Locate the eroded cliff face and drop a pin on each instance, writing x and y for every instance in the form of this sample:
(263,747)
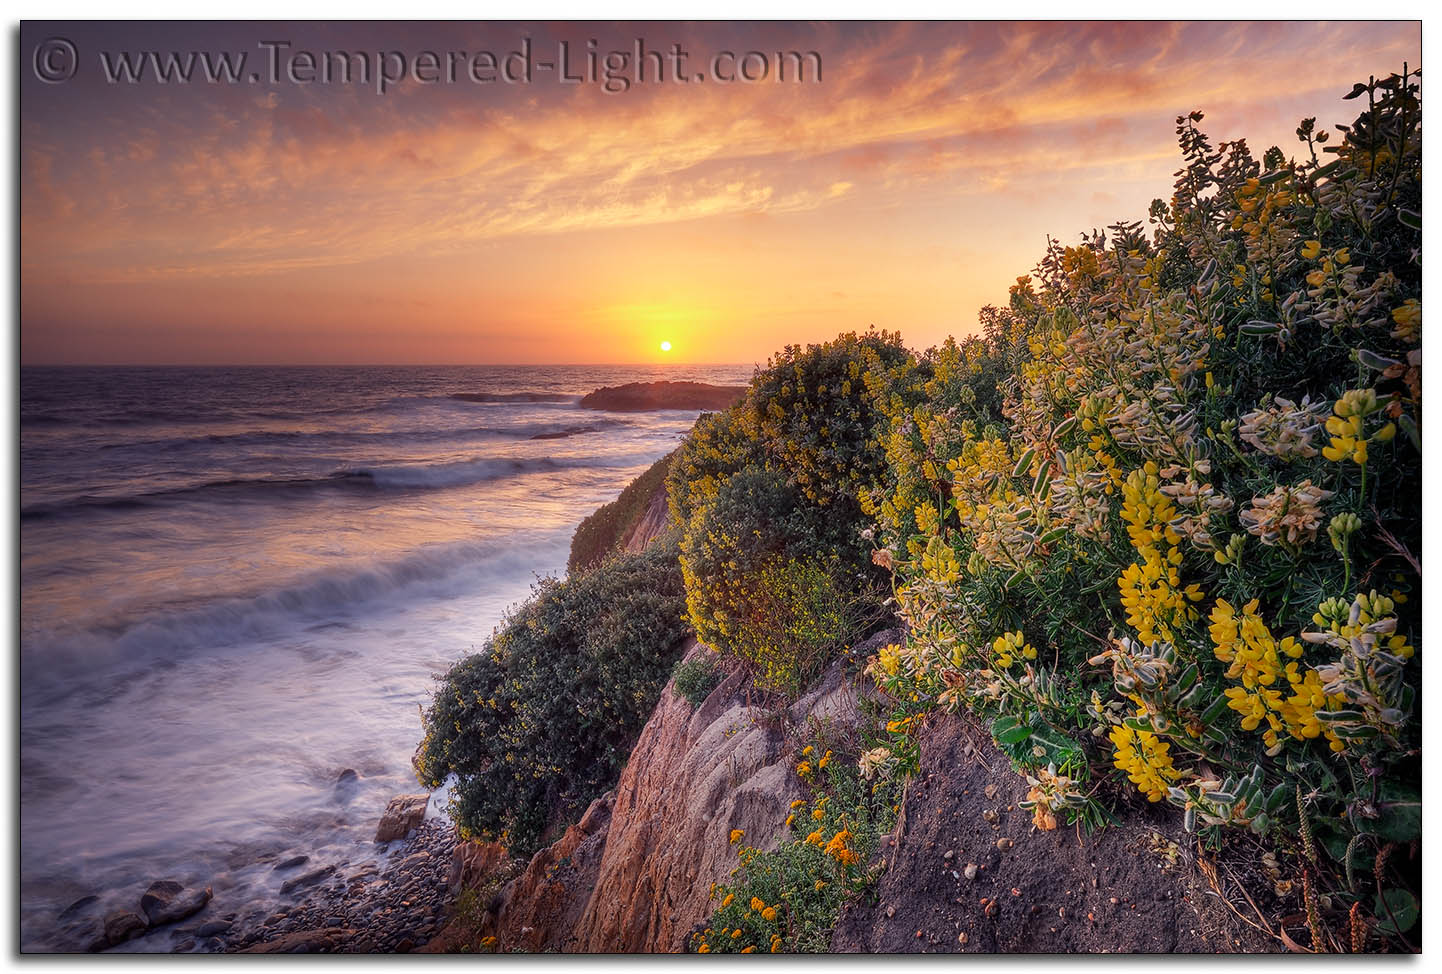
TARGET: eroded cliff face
(635,874)
(653,521)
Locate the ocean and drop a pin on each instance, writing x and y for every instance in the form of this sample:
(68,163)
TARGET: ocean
(237,583)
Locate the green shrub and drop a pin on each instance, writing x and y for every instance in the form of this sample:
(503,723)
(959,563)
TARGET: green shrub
(606,529)
(543,720)
(767,580)
(776,555)
(695,679)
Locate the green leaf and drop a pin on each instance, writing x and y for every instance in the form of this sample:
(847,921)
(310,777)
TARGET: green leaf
(1397,911)
(1408,218)
(1280,796)
(1261,328)
(1274,177)
(1023,463)
(1375,362)
(1065,428)
(1009,730)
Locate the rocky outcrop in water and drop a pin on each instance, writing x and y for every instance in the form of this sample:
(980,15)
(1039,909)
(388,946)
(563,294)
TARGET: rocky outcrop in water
(644,396)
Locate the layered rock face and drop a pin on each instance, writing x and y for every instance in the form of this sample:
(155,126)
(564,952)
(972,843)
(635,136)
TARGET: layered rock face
(635,874)
(966,870)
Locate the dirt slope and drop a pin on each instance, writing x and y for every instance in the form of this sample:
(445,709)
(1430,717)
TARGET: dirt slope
(1129,888)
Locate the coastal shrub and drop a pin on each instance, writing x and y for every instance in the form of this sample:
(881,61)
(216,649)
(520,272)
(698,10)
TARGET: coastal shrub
(775,555)
(695,679)
(543,719)
(1185,565)
(605,530)
(788,900)
(766,580)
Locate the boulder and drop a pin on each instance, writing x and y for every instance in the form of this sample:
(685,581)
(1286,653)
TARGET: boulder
(314,876)
(403,813)
(167,901)
(122,925)
(472,862)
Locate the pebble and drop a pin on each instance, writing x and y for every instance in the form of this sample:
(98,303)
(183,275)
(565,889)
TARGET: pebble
(397,909)
(970,871)
(1003,844)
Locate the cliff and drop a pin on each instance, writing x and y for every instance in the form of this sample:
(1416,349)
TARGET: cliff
(635,873)
(629,523)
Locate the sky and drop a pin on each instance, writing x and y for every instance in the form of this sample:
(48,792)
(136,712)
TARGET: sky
(282,219)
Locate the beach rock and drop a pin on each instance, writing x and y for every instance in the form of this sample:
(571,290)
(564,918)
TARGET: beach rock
(291,863)
(80,906)
(214,928)
(471,862)
(314,876)
(122,925)
(403,813)
(304,941)
(167,902)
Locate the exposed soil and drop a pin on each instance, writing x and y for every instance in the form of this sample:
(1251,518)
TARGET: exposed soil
(1132,887)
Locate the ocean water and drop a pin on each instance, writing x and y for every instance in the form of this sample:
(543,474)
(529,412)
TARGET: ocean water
(236,583)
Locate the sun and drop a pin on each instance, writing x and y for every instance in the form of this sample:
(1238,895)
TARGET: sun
(665,346)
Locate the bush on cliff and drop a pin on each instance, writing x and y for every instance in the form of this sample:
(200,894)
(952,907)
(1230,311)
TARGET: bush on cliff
(777,569)
(767,579)
(608,527)
(542,721)
(1188,562)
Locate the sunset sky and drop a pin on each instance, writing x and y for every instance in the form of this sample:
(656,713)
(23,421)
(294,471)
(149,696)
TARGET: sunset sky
(550,222)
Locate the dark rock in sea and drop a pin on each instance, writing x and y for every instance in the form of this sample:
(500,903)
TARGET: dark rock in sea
(403,813)
(291,863)
(167,902)
(214,928)
(314,876)
(642,396)
(184,947)
(122,925)
(563,434)
(82,905)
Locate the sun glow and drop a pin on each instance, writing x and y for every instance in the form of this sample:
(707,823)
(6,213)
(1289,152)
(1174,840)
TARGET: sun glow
(665,346)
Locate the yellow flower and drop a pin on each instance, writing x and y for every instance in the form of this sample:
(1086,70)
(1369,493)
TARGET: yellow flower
(820,886)
(751,948)
(819,814)
(1312,249)
(807,751)
(736,835)
(789,820)
(798,803)
(815,838)
(1145,759)
(757,903)
(730,898)
(825,760)
(804,769)
(769,914)
(705,948)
